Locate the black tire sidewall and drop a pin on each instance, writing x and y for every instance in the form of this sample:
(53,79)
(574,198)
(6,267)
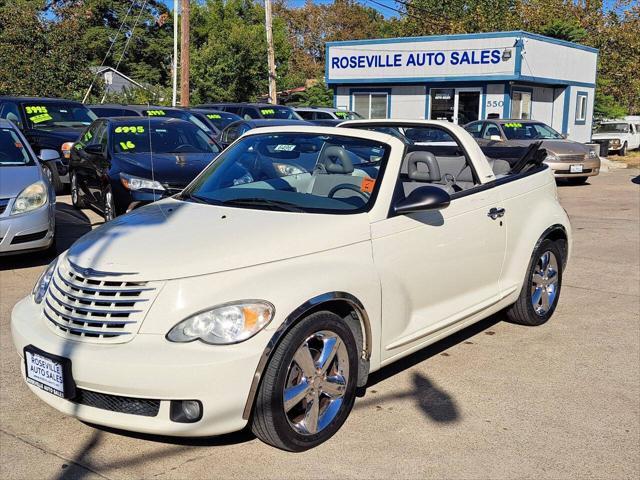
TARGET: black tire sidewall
(312,324)
(545,245)
(53,177)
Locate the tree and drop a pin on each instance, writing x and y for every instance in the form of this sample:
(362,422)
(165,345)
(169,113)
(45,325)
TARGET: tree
(565,30)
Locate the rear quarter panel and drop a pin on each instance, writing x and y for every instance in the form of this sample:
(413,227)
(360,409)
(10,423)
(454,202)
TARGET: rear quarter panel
(531,207)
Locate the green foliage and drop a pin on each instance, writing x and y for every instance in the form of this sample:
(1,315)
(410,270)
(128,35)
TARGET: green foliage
(153,95)
(565,30)
(317,95)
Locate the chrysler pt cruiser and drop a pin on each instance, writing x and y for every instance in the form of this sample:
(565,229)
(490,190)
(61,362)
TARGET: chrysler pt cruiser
(298,262)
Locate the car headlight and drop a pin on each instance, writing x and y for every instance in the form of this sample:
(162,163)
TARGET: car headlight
(551,157)
(615,141)
(42,285)
(591,155)
(32,197)
(285,169)
(137,183)
(66,149)
(224,324)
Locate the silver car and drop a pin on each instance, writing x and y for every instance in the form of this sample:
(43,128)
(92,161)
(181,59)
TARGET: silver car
(27,199)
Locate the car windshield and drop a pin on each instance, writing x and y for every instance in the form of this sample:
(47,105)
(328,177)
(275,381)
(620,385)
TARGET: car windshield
(300,172)
(164,137)
(345,115)
(613,128)
(529,131)
(13,153)
(181,114)
(51,115)
(281,113)
(221,119)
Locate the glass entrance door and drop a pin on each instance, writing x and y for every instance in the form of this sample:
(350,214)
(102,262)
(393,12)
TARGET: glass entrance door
(467,105)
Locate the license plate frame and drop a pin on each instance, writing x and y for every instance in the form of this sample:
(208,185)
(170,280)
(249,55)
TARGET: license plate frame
(47,360)
(576,168)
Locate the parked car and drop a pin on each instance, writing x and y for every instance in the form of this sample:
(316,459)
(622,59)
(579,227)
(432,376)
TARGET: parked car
(27,198)
(153,111)
(283,293)
(507,139)
(236,129)
(622,135)
(215,119)
(326,113)
(250,111)
(326,123)
(48,123)
(123,162)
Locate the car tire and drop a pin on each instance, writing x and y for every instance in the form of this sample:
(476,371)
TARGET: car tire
(52,174)
(577,180)
(623,151)
(310,415)
(76,200)
(541,290)
(109,211)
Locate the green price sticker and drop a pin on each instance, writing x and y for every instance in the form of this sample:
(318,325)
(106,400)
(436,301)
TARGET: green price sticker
(36,109)
(268,111)
(43,117)
(513,125)
(87,136)
(213,116)
(341,114)
(128,145)
(130,129)
(156,113)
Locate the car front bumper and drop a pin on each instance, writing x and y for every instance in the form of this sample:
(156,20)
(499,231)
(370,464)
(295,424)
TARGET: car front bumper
(146,367)
(28,231)
(562,169)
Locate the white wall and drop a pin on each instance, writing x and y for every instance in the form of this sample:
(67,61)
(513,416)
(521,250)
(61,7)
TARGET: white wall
(549,60)
(542,107)
(580,133)
(494,100)
(407,101)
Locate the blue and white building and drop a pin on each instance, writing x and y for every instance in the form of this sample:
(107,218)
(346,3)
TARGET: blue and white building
(467,77)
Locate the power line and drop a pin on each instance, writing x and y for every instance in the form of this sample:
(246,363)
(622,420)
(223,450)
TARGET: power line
(433,21)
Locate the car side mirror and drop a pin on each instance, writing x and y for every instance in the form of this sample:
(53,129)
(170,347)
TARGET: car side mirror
(421,199)
(47,154)
(94,149)
(495,138)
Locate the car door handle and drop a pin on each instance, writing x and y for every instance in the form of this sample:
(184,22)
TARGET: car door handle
(496,213)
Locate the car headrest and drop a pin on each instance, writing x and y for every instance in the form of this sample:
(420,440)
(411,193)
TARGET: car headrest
(335,159)
(429,160)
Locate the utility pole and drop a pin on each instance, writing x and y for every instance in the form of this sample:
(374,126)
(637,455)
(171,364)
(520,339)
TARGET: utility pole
(273,98)
(174,73)
(184,55)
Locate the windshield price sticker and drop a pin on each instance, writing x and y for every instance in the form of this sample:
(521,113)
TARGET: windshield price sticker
(130,129)
(284,148)
(128,145)
(267,111)
(213,116)
(87,136)
(513,125)
(155,113)
(367,184)
(342,114)
(36,109)
(39,112)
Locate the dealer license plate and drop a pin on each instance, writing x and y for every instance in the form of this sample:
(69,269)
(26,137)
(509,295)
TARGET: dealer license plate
(49,372)
(575,169)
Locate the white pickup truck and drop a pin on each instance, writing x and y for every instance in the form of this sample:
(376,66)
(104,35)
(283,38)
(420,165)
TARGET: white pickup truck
(623,135)
(299,261)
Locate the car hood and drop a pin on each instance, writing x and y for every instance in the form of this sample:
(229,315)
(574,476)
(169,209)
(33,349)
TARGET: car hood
(56,137)
(607,135)
(560,147)
(14,179)
(174,239)
(172,168)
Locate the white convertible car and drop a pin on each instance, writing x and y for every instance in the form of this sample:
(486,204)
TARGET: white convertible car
(298,262)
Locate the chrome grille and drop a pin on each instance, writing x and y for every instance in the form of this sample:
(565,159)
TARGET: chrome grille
(98,306)
(572,157)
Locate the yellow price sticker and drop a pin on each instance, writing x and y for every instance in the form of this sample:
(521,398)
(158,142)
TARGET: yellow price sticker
(214,115)
(36,109)
(87,136)
(341,114)
(155,113)
(128,145)
(513,125)
(43,117)
(130,129)
(268,111)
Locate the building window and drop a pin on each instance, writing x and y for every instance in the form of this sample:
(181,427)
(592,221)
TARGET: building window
(521,105)
(442,103)
(581,108)
(371,104)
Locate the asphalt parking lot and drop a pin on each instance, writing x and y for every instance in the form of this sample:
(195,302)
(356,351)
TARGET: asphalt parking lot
(494,401)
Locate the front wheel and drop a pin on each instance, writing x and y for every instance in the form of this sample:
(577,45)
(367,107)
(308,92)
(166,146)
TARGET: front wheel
(309,385)
(51,172)
(109,207)
(76,199)
(623,151)
(541,290)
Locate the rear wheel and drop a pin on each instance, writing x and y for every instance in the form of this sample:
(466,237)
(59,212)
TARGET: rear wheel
(541,290)
(76,198)
(577,180)
(309,386)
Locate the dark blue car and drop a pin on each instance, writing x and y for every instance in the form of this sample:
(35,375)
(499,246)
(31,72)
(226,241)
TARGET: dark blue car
(235,130)
(123,162)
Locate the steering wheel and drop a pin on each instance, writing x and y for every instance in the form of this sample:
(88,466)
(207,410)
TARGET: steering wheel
(347,186)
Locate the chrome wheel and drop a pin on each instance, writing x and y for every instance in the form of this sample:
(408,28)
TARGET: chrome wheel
(109,213)
(74,189)
(47,171)
(544,287)
(316,382)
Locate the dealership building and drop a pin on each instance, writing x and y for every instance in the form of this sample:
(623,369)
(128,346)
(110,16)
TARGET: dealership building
(462,78)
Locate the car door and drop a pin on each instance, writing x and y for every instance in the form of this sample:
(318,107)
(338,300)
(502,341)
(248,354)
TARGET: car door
(82,163)
(438,268)
(101,165)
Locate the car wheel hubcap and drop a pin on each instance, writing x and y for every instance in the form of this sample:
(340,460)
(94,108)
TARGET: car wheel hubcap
(316,383)
(74,189)
(49,175)
(108,207)
(544,287)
